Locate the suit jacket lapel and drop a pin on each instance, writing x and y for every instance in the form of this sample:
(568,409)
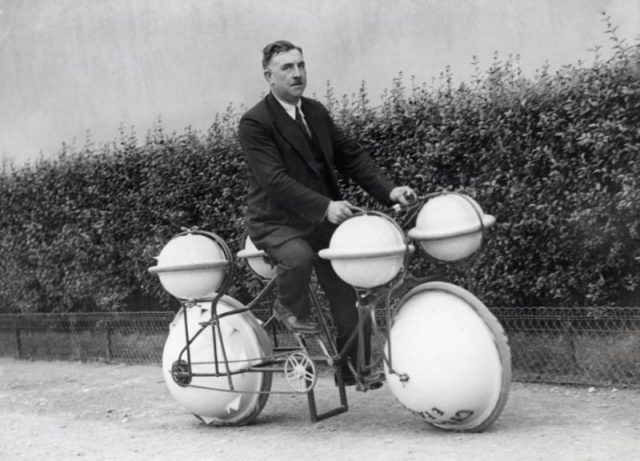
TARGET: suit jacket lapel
(322,134)
(319,129)
(288,128)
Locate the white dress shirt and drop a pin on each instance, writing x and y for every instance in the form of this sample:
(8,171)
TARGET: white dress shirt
(291,110)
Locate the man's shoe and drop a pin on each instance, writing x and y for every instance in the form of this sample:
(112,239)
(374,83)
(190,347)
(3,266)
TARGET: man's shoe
(293,322)
(374,381)
(369,381)
(347,379)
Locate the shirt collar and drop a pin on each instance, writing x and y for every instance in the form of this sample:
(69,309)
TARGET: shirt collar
(288,107)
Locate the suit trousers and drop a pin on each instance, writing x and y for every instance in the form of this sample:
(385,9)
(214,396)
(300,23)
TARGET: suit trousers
(296,260)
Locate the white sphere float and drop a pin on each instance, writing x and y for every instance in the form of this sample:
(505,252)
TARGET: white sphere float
(191,266)
(451,363)
(450,226)
(256,260)
(211,398)
(366,251)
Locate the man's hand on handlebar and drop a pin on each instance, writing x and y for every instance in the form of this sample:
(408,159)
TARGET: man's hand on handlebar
(339,211)
(403,195)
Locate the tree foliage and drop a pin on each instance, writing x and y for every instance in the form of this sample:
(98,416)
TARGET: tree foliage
(553,157)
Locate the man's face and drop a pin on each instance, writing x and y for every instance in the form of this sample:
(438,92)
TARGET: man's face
(287,76)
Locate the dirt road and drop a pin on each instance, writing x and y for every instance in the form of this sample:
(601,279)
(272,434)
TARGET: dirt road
(93,411)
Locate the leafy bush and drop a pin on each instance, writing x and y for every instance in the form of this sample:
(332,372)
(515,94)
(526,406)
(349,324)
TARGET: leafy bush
(554,158)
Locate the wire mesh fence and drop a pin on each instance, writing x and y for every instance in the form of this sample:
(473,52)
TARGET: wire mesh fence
(581,345)
(113,337)
(589,346)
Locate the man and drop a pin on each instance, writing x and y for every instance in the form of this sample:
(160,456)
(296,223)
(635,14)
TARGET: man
(293,149)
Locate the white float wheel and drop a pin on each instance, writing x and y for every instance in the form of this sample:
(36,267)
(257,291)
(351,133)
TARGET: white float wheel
(210,398)
(300,372)
(503,349)
(451,418)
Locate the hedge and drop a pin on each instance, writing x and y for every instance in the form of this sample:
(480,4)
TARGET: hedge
(554,157)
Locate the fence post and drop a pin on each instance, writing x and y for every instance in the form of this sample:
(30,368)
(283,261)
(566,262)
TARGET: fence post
(109,349)
(569,334)
(18,339)
(72,320)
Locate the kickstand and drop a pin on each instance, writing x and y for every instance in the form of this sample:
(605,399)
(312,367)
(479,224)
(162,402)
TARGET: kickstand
(311,398)
(342,408)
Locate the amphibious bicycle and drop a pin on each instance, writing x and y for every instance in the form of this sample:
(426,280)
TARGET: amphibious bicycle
(442,353)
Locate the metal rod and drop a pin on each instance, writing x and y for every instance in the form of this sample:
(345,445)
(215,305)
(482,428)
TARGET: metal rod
(188,267)
(324,326)
(267,288)
(186,333)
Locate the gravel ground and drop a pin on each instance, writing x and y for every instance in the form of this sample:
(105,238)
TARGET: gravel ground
(69,410)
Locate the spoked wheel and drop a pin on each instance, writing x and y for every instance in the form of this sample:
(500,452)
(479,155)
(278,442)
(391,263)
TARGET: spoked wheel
(449,357)
(300,372)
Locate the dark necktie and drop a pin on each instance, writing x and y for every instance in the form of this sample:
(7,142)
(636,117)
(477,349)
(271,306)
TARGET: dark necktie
(301,123)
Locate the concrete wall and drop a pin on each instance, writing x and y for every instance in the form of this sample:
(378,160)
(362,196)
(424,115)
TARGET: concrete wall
(68,66)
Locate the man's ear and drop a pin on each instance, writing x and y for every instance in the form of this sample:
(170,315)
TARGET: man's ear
(267,75)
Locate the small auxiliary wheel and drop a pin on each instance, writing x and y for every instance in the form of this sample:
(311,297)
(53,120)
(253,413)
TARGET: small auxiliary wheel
(300,372)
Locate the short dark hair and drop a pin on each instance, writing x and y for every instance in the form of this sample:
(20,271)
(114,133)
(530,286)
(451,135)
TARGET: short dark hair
(277,47)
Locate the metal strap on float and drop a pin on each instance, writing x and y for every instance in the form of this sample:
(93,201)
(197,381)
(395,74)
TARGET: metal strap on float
(188,267)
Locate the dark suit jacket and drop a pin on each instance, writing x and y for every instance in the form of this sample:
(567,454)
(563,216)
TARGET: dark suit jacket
(283,202)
